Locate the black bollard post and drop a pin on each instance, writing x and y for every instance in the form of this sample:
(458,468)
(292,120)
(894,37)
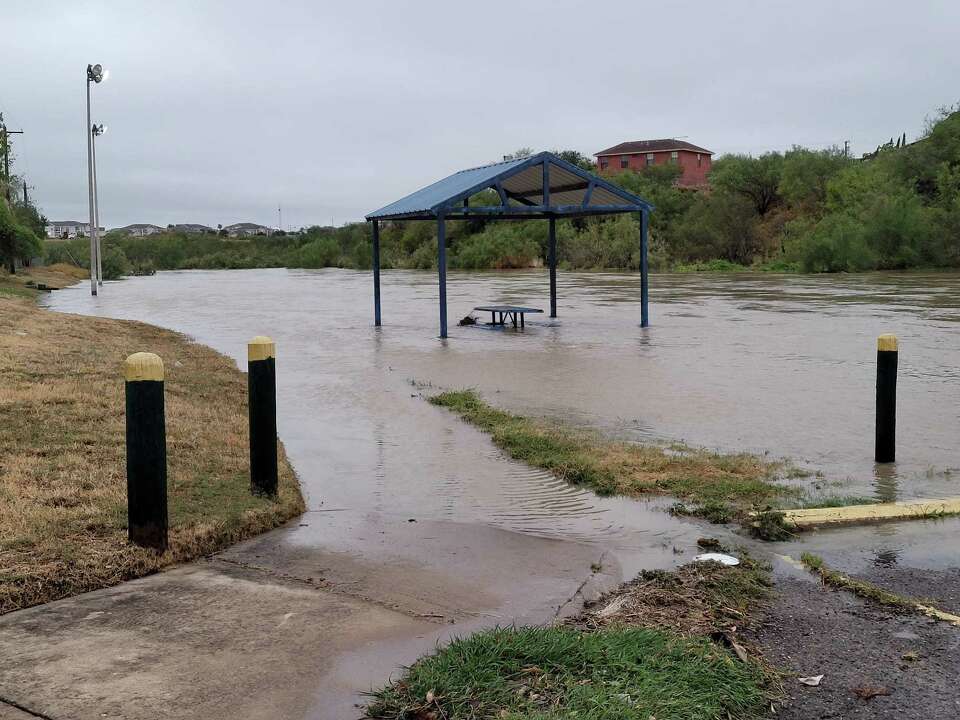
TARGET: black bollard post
(146,451)
(887,352)
(262,387)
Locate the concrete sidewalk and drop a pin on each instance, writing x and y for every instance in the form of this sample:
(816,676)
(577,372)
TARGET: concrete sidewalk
(279,628)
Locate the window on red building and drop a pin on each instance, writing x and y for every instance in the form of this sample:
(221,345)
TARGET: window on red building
(604,163)
(650,159)
(674,156)
(624,162)
(699,159)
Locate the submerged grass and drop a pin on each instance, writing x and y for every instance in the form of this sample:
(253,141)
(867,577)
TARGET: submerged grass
(863,589)
(719,486)
(62,455)
(642,651)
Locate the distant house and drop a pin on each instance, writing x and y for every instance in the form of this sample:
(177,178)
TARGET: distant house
(694,161)
(191,228)
(65,229)
(247,229)
(139,229)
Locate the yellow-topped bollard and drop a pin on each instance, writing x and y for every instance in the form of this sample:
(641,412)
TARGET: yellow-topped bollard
(262,409)
(887,343)
(146,451)
(885,449)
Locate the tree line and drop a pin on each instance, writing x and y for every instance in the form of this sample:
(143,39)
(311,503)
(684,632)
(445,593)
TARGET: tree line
(802,210)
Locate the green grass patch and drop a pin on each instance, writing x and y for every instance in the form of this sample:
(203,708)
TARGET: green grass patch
(717,265)
(552,673)
(719,486)
(825,501)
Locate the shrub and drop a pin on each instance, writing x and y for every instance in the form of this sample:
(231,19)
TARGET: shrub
(114,262)
(321,253)
(603,243)
(835,244)
(501,245)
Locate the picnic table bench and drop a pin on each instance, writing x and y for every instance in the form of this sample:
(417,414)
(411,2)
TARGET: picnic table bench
(512,311)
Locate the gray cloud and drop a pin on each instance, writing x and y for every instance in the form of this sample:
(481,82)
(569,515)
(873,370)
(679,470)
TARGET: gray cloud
(218,111)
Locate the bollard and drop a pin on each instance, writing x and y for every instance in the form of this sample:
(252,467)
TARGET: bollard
(146,451)
(887,351)
(262,388)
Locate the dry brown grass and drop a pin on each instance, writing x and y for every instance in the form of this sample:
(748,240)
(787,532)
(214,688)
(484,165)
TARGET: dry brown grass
(62,455)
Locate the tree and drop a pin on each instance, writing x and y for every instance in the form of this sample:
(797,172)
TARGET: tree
(721,225)
(519,154)
(756,179)
(575,157)
(805,174)
(17,241)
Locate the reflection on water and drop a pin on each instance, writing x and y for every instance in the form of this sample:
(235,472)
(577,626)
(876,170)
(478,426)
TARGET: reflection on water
(764,363)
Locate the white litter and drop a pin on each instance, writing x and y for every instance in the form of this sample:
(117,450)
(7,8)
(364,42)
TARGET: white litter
(812,681)
(717,557)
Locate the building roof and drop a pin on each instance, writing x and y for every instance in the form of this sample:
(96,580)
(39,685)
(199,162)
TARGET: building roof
(67,223)
(191,226)
(246,226)
(568,190)
(645,146)
(139,226)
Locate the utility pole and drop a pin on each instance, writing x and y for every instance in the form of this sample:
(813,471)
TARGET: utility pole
(846,148)
(279,218)
(25,200)
(6,155)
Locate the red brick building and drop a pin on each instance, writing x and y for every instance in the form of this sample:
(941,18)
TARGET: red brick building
(694,161)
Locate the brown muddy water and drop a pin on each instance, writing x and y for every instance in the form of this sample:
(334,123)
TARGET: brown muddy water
(774,364)
(777,364)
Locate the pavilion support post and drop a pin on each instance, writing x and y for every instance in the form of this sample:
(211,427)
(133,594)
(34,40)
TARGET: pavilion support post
(552,259)
(442,272)
(644,274)
(376,273)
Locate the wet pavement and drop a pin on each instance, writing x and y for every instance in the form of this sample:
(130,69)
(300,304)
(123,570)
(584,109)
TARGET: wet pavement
(416,515)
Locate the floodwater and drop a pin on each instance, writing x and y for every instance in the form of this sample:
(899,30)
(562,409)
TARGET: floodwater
(774,364)
(766,363)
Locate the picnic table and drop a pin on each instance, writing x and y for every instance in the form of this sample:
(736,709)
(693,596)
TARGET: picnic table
(504,311)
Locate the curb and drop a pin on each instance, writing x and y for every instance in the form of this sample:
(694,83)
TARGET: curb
(913,509)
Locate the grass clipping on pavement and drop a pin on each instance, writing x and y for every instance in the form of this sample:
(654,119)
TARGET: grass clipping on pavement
(722,487)
(643,651)
(63,462)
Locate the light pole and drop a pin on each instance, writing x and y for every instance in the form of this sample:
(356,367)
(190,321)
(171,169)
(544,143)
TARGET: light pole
(95,132)
(95,73)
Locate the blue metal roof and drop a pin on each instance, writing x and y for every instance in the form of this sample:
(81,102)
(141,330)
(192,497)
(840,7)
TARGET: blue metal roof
(572,190)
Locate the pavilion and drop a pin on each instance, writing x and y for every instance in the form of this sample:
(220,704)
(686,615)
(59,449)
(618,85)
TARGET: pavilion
(540,186)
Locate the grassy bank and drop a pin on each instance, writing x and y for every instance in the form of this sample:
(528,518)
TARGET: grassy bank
(718,486)
(62,456)
(623,658)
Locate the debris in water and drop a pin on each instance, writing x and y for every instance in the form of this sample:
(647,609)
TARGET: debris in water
(812,681)
(711,544)
(717,557)
(468,320)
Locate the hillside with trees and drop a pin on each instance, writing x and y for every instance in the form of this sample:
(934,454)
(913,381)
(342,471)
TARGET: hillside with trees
(801,210)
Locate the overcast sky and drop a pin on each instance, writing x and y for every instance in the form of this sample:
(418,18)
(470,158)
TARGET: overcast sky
(219,111)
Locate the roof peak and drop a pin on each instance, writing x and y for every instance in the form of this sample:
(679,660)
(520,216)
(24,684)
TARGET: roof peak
(656,145)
